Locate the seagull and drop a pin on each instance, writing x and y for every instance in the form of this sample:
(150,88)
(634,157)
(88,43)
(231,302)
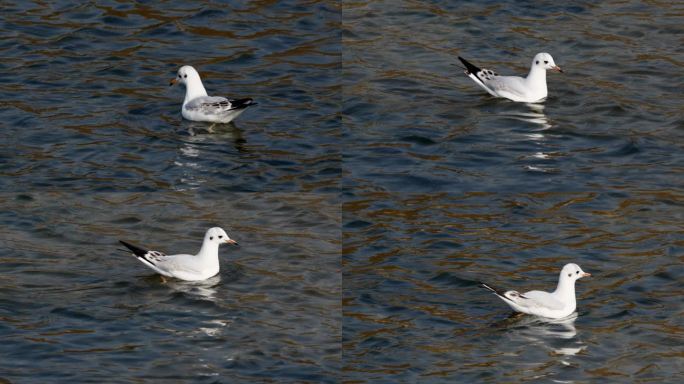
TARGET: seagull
(198,106)
(530,89)
(555,305)
(201,266)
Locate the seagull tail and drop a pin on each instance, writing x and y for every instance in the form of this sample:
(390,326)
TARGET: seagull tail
(498,292)
(241,103)
(136,250)
(469,66)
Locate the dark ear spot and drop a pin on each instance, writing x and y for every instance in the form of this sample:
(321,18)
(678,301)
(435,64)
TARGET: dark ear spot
(537,62)
(185,75)
(569,274)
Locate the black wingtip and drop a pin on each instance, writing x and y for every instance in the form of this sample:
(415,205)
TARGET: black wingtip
(496,291)
(136,250)
(469,66)
(242,103)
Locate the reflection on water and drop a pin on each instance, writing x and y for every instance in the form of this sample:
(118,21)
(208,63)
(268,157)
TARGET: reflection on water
(87,106)
(203,290)
(538,123)
(417,124)
(414,312)
(69,297)
(558,336)
(202,143)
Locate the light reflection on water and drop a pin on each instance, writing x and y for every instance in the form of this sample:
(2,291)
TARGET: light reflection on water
(414,312)
(70,297)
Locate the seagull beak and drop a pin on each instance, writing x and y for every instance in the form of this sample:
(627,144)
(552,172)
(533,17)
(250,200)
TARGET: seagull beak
(557,69)
(585,274)
(231,242)
(173,81)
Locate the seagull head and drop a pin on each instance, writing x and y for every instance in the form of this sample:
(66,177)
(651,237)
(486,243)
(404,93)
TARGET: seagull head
(573,272)
(218,236)
(545,61)
(185,74)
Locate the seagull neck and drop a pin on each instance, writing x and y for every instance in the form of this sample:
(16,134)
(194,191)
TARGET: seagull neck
(193,90)
(208,250)
(566,288)
(537,75)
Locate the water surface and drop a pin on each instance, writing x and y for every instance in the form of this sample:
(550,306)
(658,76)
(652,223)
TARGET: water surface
(76,308)
(446,185)
(86,104)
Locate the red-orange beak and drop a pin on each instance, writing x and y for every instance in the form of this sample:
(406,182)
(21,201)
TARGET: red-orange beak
(231,242)
(585,274)
(557,69)
(173,81)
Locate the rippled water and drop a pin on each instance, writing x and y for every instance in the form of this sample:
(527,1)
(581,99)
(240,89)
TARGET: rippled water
(369,146)
(74,308)
(413,311)
(94,149)
(445,186)
(418,124)
(86,103)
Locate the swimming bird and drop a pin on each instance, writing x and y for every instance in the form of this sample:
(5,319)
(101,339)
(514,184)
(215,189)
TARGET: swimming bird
(201,266)
(529,89)
(554,305)
(198,106)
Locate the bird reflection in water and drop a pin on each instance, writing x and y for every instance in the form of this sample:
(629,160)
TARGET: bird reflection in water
(558,336)
(538,160)
(202,133)
(202,290)
(193,146)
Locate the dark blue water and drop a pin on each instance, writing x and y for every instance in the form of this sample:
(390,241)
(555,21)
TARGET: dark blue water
(416,123)
(75,308)
(446,186)
(86,103)
(93,149)
(370,189)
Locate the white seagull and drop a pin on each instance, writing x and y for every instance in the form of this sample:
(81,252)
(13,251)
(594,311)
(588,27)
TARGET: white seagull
(555,305)
(201,266)
(528,90)
(198,106)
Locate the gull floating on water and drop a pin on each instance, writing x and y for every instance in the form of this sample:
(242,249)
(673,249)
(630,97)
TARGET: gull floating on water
(554,305)
(198,106)
(201,266)
(529,89)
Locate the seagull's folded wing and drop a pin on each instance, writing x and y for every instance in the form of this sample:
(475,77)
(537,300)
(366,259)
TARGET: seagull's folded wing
(507,86)
(210,105)
(539,299)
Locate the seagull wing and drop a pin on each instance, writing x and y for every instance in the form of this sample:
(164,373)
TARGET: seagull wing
(510,87)
(156,260)
(479,75)
(539,299)
(209,105)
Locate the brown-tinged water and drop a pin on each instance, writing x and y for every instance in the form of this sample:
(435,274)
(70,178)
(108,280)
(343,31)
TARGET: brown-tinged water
(94,149)
(446,186)
(370,189)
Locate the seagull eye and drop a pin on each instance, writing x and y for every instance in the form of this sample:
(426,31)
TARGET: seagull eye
(537,62)
(185,76)
(211,238)
(220,236)
(546,61)
(577,272)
